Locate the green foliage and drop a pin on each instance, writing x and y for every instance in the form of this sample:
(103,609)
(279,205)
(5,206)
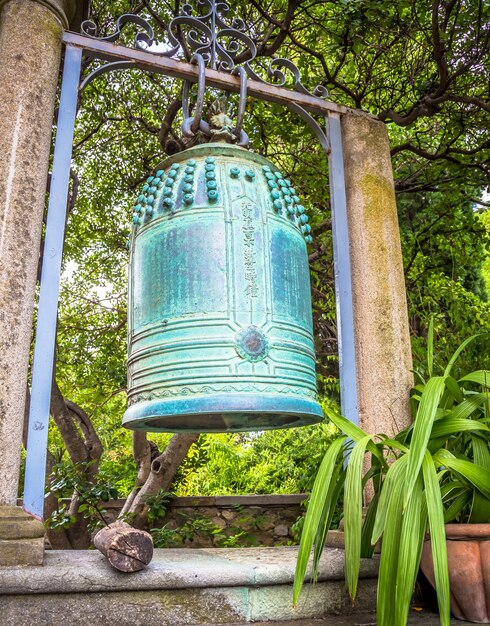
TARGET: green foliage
(279,461)
(164,537)
(157,505)
(60,518)
(445,246)
(69,478)
(485,221)
(434,472)
(197,526)
(238,539)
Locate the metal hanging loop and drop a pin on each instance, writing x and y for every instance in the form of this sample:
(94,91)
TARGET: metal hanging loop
(240,134)
(192,124)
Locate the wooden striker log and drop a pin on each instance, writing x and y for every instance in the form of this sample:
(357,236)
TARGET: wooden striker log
(126,548)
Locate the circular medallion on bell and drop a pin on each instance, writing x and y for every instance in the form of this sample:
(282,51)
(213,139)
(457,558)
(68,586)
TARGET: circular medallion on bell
(251,343)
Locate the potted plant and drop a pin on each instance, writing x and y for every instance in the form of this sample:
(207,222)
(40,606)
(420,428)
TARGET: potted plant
(435,472)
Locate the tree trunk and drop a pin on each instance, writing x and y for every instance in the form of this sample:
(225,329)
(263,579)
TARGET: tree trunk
(144,452)
(162,472)
(79,436)
(83,446)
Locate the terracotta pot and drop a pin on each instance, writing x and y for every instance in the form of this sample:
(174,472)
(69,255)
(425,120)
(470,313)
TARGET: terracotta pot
(468,553)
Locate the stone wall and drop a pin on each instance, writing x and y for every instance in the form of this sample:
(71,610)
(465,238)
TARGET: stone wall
(225,521)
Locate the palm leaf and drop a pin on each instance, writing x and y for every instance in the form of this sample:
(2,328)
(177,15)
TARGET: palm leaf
(481,453)
(456,506)
(480,508)
(480,377)
(454,425)
(422,430)
(477,475)
(469,405)
(438,537)
(352,431)
(390,549)
(458,352)
(334,489)
(451,489)
(394,443)
(353,514)
(454,389)
(435,443)
(367,550)
(411,540)
(372,472)
(430,347)
(392,478)
(314,513)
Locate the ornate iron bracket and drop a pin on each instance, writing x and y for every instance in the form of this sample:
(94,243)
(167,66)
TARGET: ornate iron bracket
(204,37)
(222,46)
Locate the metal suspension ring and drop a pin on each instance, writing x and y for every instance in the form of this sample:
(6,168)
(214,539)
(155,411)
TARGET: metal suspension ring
(191,125)
(239,133)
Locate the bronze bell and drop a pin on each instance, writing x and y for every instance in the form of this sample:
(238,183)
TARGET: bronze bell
(220,322)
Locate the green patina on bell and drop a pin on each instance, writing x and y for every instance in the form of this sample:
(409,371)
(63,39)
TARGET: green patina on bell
(220,323)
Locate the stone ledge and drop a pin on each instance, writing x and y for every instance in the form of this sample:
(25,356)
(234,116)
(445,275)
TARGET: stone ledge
(189,607)
(88,572)
(245,500)
(180,588)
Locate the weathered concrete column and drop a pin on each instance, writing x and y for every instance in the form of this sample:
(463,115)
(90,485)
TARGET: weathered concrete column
(383,354)
(30,47)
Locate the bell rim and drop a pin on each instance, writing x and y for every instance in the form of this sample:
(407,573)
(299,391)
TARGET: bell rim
(230,409)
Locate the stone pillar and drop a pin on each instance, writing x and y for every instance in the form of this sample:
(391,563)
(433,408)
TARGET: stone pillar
(383,354)
(30,48)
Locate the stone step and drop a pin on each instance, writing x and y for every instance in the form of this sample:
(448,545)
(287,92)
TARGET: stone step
(180,587)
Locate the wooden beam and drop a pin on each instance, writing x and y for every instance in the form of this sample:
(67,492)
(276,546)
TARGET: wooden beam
(187,71)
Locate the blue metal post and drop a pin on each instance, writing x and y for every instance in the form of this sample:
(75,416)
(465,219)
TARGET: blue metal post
(42,369)
(342,270)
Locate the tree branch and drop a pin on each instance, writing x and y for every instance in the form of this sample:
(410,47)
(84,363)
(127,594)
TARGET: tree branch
(161,476)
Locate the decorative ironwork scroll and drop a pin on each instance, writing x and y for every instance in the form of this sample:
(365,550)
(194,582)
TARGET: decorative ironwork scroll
(207,38)
(224,46)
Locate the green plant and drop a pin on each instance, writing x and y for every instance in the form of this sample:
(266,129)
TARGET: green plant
(157,505)
(72,478)
(238,538)
(274,461)
(434,472)
(235,536)
(197,524)
(193,525)
(166,537)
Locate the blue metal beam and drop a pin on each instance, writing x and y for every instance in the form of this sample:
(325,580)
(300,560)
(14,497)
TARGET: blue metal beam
(42,369)
(342,270)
